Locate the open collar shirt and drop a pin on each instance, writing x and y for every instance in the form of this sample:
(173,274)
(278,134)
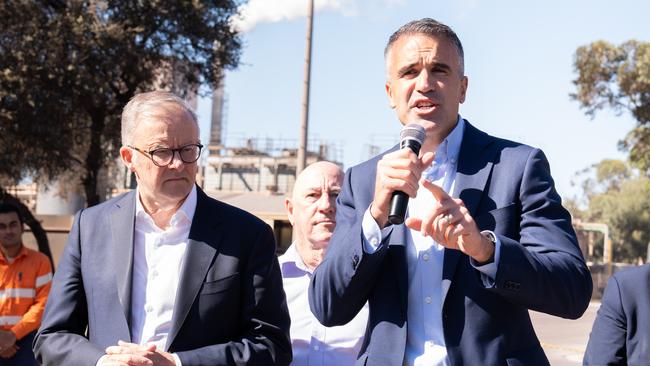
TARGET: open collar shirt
(314,344)
(157,261)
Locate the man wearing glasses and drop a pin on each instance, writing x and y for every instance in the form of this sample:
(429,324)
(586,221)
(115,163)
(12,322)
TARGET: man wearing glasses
(165,275)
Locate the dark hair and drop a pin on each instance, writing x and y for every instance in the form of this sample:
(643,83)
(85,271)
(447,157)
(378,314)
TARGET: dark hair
(6,208)
(432,28)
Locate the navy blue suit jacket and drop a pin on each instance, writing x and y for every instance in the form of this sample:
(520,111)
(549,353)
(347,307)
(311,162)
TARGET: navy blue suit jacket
(621,332)
(507,187)
(230,307)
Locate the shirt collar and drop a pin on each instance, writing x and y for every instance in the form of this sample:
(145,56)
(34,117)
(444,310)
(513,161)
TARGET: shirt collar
(449,149)
(21,253)
(446,153)
(292,256)
(184,213)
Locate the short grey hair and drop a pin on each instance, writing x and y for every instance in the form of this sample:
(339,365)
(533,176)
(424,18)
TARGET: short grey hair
(432,28)
(144,102)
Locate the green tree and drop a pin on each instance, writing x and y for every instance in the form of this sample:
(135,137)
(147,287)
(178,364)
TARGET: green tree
(618,78)
(67,68)
(617,195)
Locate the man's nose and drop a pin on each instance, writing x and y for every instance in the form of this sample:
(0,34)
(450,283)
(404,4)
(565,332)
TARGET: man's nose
(424,82)
(176,162)
(326,203)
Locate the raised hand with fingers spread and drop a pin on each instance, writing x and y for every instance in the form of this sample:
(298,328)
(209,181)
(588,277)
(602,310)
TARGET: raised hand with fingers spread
(450,224)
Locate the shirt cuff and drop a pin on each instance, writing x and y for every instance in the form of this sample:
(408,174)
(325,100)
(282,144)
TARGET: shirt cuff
(489,270)
(99,362)
(23,328)
(371,233)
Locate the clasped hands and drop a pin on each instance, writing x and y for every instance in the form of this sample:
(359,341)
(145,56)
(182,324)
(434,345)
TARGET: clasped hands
(8,347)
(448,222)
(130,354)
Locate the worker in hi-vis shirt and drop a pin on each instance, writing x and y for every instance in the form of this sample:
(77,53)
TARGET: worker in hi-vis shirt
(25,280)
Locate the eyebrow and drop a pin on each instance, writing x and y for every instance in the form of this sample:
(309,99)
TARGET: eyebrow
(436,65)
(161,145)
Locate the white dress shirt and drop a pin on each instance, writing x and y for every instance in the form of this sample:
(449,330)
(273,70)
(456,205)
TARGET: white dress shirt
(157,260)
(314,344)
(425,342)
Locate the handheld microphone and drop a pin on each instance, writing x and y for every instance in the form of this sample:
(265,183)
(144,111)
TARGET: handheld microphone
(412,136)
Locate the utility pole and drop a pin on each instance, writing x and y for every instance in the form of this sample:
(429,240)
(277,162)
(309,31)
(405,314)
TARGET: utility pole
(302,150)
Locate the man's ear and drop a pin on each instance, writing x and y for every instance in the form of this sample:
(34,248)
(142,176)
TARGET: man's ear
(389,93)
(128,158)
(463,88)
(288,206)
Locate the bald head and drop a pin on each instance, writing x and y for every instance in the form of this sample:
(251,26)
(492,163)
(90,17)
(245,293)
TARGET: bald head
(312,206)
(315,172)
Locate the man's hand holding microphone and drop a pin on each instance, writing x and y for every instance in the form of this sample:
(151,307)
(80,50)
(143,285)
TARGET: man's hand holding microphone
(448,222)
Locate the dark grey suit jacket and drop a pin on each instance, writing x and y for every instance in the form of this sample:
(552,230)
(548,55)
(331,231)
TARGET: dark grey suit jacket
(508,189)
(230,307)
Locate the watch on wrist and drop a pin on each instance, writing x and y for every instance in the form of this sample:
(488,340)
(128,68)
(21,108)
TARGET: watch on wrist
(492,238)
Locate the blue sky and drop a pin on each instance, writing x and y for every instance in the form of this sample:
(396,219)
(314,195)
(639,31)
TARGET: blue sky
(518,57)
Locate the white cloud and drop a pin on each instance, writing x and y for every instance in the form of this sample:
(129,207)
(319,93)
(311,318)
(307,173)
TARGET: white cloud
(255,12)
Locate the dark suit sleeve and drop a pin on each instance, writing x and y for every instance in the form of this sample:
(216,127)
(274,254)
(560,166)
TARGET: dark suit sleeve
(61,338)
(544,270)
(608,336)
(264,315)
(341,284)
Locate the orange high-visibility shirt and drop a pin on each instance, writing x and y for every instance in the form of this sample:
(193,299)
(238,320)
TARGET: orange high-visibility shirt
(24,286)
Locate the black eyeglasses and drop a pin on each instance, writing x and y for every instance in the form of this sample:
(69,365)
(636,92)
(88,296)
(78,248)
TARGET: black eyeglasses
(164,156)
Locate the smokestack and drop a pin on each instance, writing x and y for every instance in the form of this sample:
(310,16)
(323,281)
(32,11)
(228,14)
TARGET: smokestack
(216,126)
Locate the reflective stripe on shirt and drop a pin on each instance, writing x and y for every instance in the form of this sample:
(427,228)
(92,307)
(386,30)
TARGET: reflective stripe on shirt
(43,280)
(10,320)
(18,292)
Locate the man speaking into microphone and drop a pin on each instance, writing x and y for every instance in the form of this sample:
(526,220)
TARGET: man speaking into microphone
(485,237)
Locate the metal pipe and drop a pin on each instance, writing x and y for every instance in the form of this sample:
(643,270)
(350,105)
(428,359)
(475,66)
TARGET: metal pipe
(302,149)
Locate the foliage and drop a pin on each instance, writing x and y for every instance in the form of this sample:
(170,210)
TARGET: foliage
(618,196)
(618,77)
(67,68)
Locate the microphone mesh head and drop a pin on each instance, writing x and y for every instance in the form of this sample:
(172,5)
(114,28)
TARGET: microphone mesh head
(413,131)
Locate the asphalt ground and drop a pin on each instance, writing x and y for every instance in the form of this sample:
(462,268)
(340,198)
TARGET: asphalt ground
(564,341)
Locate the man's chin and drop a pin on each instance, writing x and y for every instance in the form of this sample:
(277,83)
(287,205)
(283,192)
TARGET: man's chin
(321,237)
(10,245)
(174,195)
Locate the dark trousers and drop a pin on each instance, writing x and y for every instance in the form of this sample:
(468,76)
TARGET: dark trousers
(24,356)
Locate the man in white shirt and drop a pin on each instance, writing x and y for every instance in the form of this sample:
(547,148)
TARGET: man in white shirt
(312,212)
(485,239)
(165,275)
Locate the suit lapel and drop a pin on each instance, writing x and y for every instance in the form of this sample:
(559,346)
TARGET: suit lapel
(201,249)
(120,259)
(474,168)
(398,242)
